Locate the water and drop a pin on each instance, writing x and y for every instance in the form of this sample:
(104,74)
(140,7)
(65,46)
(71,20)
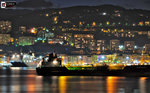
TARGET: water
(25,80)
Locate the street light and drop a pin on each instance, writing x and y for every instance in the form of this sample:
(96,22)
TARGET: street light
(135,47)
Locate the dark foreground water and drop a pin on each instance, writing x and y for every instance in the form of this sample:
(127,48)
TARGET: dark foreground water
(25,80)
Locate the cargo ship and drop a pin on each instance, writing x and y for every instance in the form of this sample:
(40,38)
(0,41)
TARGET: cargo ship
(55,67)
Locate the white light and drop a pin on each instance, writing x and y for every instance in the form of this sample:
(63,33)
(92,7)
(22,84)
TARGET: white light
(135,61)
(80,57)
(13,56)
(25,56)
(121,46)
(128,64)
(54,62)
(127,58)
(104,13)
(18,55)
(40,57)
(102,57)
(135,47)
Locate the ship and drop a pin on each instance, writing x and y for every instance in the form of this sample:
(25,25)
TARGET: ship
(54,67)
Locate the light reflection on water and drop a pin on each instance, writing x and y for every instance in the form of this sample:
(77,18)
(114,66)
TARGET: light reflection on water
(29,82)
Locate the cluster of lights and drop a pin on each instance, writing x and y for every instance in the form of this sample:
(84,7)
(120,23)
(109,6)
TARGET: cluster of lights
(33,31)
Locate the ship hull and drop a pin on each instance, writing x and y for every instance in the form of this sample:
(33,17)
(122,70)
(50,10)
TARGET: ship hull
(96,71)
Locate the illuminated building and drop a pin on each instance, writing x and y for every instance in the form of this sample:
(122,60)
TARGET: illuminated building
(68,38)
(26,40)
(100,45)
(84,41)
(5,39)
(23,29)
(142,32)
(114,44)
(5,27)
(129,45)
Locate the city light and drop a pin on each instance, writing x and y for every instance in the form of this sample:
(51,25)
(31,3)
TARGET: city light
(104,13)
(127,58)
(102,57)
(55,62)
(55,19)
(121,47)
(33,31)
(135,47)
(94,24)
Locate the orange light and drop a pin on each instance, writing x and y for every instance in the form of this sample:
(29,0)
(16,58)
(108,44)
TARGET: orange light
(62,84)
(80,23)
(143,78)
(112,84)
(55,19)
(33,31)
(11,39)
(94,24)
(140,23)
(50,42)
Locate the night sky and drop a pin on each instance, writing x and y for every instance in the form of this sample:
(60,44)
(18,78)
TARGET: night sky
(138,4)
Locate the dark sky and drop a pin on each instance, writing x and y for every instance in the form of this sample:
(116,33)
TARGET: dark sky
(138,4)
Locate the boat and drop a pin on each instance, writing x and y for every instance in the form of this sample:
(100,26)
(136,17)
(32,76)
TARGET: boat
(55,67)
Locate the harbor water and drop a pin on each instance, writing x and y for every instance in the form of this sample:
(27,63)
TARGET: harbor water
(25,80)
